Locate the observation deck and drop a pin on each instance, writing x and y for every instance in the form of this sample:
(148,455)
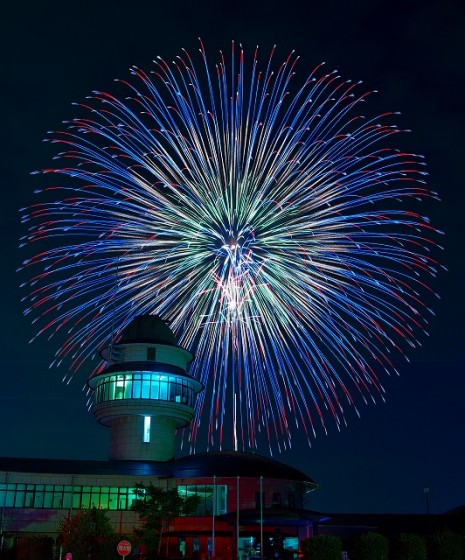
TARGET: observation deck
(145,394)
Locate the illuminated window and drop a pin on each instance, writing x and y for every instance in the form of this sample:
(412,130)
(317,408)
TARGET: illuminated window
(147,422)
(65,497)
(207,494)
(163,388)
(119,393)
(291,543)
(146,386)
(39,496)
(182,546)
(141,385)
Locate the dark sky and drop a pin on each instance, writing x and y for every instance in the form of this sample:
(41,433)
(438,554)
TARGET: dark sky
(413,52)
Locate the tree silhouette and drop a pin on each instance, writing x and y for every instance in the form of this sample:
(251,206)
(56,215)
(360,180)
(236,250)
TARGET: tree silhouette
(88,534)
(157,508)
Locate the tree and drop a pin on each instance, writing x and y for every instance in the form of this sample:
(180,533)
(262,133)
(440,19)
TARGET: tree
(407,546)
(37,547)
(157,508)
(322,547)
(88,534)
(370,546)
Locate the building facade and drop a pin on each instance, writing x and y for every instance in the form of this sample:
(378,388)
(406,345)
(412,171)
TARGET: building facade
(249,505)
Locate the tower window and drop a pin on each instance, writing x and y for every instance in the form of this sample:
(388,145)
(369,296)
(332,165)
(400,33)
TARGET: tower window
(147,422)
(151,354)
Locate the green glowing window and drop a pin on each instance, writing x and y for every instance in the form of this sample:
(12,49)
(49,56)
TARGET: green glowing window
(66,497)
(10,498)
(19,498)
(48,497)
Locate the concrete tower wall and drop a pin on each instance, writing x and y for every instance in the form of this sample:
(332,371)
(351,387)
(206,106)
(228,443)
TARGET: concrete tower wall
(126,439)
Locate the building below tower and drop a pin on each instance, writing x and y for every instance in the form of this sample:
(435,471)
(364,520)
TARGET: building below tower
(247,502)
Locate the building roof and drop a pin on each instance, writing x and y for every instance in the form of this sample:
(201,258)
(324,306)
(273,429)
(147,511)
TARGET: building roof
(390,523)
(220,464)
(147,328)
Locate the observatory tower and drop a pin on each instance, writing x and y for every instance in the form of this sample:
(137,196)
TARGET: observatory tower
(145,393)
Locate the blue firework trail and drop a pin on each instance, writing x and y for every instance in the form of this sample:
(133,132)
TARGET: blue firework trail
(267,221)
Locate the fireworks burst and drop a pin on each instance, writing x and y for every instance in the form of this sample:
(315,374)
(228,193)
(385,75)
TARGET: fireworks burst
(264,219)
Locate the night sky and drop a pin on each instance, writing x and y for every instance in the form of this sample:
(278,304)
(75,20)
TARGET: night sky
(413,53)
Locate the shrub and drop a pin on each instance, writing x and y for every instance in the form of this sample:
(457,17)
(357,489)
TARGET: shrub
(370,546)
(322,547)
(445,545)
(408,546)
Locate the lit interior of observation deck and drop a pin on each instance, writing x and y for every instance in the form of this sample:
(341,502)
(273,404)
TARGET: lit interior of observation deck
(159,386)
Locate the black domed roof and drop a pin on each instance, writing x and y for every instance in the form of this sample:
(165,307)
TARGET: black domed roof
(148,328)
(236,463)
(200,465)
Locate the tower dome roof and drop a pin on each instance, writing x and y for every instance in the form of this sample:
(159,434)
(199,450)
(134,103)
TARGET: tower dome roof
(147,328)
